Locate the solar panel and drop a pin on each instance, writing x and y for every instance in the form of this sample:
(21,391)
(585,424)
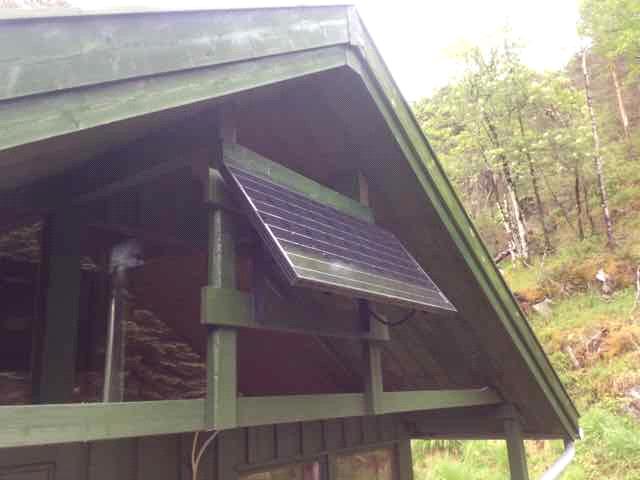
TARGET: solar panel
(320,246)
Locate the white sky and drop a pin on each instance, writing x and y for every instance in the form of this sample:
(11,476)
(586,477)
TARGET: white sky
(415,36)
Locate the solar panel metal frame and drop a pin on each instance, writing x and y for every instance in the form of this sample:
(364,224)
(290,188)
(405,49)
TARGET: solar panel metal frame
(295,226)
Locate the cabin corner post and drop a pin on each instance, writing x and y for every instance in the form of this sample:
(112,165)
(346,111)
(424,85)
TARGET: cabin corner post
(221,410)
(515,445)
(54,368)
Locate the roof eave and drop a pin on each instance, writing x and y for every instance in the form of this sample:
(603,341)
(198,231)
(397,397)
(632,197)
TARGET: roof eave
(440,191)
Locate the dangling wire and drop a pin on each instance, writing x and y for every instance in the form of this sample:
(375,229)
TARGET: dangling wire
(392,324)
(195,459)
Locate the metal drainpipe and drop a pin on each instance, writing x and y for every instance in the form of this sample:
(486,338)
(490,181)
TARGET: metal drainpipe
(562,463)
(123,257)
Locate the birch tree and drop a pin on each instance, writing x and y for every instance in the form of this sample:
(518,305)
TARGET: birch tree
(597,153)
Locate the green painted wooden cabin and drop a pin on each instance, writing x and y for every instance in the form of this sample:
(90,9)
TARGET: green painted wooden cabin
(139,303)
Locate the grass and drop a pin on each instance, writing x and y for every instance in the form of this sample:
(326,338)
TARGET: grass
(602,336)
(610,450)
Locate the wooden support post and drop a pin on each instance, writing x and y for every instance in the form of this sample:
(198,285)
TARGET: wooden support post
(355,185)
(373,386)
(404,460)
(373,381)
(222,391)
(55,368)
(515,447)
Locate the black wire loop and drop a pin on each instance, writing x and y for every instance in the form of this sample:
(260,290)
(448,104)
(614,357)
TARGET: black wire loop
(392,324)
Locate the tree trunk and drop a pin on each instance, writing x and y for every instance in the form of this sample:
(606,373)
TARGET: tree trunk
(536,191)
(587,208)
(517,223)
(624,119)
(520,229)
(578,193)
(556,200)
(506,223)
(597,154)
(621,108)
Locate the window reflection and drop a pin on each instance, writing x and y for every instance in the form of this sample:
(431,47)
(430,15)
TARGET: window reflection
(374,465)
(20,254)
(301,471)
(142,256)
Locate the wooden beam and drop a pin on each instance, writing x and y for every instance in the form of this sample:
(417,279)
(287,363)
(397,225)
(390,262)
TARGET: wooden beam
(120,168)
(49,424)
(253,162)
(222,382)
(232,308)
(436,399)
(296,408)
(55,57)
(373,381)
(515,447)
(145,176)
(57,364)
(36,118)
(373,388)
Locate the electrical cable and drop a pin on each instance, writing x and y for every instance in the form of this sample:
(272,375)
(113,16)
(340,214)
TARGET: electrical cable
(195,459)
(392,324)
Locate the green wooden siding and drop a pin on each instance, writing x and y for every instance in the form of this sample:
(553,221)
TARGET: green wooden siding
(233,452)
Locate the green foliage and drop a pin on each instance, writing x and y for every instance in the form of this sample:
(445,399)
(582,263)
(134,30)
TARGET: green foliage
(482,460)
(610,449)
(613,26)
(502,119)
(502,124)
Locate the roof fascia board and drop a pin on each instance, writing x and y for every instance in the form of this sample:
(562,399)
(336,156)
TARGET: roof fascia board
(13,14)
(32,119)
(40,55)
(429,172)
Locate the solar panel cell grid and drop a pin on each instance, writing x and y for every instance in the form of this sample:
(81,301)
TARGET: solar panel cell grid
(322,247)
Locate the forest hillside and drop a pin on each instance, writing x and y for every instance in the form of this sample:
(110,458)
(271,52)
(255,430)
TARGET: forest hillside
(548,167)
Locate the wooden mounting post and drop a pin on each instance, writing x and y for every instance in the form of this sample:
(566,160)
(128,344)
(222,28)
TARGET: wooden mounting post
(373,386)
(515,447)
(354,184)
(221,411)
(54,370)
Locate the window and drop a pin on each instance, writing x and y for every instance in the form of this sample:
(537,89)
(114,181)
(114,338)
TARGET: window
(301,471)
(125,283)
(375,465)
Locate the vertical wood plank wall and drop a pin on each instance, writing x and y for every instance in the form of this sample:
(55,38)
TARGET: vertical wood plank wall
(234,452)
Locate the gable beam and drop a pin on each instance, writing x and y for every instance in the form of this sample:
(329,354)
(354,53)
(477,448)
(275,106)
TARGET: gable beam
(33,119)
(51,55)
